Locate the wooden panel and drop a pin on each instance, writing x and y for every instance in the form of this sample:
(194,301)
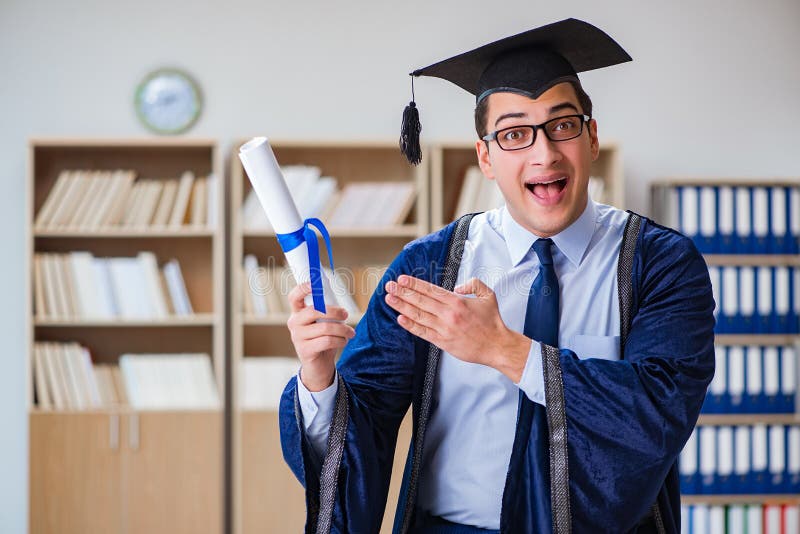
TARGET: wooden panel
(174,476)
(400,454)
(271,497)
(74,474)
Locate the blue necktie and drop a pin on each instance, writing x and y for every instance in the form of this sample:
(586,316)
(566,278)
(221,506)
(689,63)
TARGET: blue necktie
(541,317)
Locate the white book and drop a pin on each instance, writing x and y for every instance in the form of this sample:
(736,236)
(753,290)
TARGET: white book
(470,187)
(715,276)
(741,461)
(760,211)
(793,458)
(72,195)
(74,388)
(700,521)
(716,520)
(743,218)
(708,212)
(794,211)
(726,210)
(133,203)
(782,290)
(129,288)
(759,449)
(689,209)
(165,203)
(788,370)
(778,212)
(754,379)
(796,295)
(708,451)
(771,372)
(40,300)
(180,207)
(736,519)
(725,448)
(791,518)
(772,519)
(257,285)
(177,288)
(684,519)
(319,195)
(777,450)
(85,202)
(40,376)
(764,291)
(719,385)
(343,297)
(54,379)
(105,291)
(83,280)
(58,286)
(111,183)
(754,519)
(198,209)
(153,292)
(730,292)
(103,185)
(83,379)
(688,458)
(747,291)
(736,372)
(119,200)
(54,197)
(263,379)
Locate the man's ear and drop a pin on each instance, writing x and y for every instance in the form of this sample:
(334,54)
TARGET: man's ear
(484,162)
(593,139)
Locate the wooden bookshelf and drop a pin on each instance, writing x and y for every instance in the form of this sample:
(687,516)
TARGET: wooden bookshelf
(116,469)
(449,162)
(259,468)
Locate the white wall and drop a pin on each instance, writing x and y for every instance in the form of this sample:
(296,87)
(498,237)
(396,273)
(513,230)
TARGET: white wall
(714,89)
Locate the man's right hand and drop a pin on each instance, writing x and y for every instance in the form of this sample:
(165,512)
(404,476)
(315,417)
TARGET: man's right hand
(316,343)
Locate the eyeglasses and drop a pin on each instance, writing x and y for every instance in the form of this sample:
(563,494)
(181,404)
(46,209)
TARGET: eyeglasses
(558,129)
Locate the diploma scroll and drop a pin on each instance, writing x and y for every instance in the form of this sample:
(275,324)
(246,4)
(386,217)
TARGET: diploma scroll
(298,241)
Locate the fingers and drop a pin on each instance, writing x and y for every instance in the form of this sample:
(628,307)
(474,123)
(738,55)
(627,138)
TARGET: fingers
(426,288)
(324,329)
(474,286)
(413,307)
(297,296)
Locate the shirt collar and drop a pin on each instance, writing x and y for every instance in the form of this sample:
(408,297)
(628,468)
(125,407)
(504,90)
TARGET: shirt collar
(572,241)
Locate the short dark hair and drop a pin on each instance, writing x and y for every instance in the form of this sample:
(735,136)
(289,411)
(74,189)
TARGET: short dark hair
(483,108)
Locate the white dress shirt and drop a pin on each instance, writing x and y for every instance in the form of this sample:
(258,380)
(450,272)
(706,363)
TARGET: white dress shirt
(471,433)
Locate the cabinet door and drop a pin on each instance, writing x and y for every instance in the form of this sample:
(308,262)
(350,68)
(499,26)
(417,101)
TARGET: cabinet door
(74,473)
(172,473)
(272,498)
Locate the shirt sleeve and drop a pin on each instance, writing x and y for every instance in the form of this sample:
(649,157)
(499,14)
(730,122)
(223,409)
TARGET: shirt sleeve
(532,381)
(317,409)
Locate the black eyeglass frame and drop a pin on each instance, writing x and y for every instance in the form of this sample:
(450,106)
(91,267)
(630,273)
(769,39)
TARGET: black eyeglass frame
(536,127)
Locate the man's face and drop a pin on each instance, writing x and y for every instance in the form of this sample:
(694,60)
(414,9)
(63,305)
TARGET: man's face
(564,166)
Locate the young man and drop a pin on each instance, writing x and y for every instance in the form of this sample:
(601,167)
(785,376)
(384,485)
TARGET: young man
(556,384)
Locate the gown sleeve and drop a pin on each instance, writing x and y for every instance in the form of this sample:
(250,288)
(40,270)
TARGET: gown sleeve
(626,421)
(376,369)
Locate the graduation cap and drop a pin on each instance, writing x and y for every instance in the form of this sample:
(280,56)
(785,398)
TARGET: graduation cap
(528,63)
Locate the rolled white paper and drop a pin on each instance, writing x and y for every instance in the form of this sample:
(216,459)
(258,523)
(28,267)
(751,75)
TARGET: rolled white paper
(265,174)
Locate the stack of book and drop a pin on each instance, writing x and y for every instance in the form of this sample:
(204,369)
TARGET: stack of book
(65,379)
(756,300)
(266,289)
(741,459)
(169,381)
(733,219)
(262,380)
(740,519)
(77,285)
(358,204)
(753,379)
(82,200)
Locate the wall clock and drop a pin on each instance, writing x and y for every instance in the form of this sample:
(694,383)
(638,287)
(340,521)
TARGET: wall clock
(168,101)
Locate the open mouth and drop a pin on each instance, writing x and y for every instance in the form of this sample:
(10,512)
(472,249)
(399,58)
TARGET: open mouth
(547,189)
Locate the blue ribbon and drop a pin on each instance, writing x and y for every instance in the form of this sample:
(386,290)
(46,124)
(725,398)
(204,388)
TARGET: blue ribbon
(306,235)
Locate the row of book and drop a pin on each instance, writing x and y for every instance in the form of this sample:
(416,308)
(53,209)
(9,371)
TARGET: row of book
(753,379)
(357,205)
(756,300)
(262,380)
(77,285)
(479,194)
(66,379)
(741,459)
(740,519)
(733,219)
(265,288)
(87,200)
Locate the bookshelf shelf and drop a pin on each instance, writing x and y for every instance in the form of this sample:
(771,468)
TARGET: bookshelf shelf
(721,500)
(258,467)
(125,463)
(749,419)
(752,260)
(755,339)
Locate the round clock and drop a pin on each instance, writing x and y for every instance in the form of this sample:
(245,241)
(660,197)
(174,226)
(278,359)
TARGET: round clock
(168,101)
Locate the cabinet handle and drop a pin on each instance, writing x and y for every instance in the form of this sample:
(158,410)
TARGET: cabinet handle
(133,434)
(113,432)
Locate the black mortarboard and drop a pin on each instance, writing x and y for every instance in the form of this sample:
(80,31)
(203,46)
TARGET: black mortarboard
(528,63)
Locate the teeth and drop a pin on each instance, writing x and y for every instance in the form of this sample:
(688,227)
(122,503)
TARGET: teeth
(545,183)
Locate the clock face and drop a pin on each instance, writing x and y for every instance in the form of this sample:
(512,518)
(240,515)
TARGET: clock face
(168,101)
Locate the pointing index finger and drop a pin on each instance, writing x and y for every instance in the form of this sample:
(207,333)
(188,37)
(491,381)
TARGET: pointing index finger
(426,288)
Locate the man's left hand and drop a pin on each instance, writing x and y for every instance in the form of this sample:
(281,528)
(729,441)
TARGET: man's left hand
(469,328)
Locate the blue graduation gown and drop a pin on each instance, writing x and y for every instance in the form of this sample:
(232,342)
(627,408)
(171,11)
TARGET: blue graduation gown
(623,423)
